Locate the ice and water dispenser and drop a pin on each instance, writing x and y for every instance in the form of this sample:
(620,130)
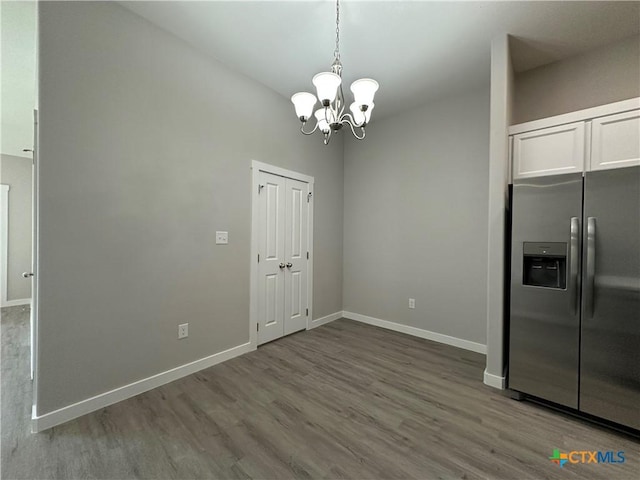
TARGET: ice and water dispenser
(545,264)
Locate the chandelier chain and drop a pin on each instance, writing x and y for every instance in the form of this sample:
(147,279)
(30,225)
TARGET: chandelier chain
(336,52)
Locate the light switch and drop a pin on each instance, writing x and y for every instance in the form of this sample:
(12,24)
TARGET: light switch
(222,238)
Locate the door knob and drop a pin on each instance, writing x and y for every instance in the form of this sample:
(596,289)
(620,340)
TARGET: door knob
(289,264)
(27,274)
(281,265)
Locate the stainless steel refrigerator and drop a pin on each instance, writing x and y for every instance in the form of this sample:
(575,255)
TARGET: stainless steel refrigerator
(574,333)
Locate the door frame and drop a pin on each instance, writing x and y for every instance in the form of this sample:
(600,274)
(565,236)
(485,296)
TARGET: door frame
(35,253)
(4,241)
(256,168)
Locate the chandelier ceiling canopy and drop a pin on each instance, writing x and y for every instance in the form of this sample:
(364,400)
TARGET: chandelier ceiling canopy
(330,117)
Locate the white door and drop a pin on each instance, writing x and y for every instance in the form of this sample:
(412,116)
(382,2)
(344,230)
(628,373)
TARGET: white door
(271,258)
(282,256)
(295,248)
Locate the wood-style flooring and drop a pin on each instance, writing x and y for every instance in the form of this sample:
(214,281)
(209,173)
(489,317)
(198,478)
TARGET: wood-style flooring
(345,400)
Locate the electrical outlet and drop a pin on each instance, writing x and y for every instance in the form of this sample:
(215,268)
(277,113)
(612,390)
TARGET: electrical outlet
(412,303)
(183,330)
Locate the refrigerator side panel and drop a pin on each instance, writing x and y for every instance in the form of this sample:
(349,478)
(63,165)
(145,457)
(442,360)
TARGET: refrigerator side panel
(544,313)
(610,342)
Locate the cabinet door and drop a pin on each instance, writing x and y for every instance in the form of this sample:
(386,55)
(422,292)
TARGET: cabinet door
(549,151)
(615,141)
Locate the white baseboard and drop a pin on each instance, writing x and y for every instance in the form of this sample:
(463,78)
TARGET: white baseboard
(92,404)
(15,303)
(322,320)
(418,332)
(495,381)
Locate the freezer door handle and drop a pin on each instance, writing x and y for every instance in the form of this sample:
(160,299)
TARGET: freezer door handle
(590,267)
(574,247)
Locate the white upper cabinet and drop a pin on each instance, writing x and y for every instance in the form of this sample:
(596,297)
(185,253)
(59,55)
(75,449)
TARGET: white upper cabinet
(597,138)
(549,151)
(615,141)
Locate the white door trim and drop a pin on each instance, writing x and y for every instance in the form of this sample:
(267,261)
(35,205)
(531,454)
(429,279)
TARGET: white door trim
(35,254)
(4,242)
(256,168)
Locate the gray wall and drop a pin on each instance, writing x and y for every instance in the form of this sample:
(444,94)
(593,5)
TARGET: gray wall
(605,75)
(416,218)
(16,172)
(18,79)
(145,148)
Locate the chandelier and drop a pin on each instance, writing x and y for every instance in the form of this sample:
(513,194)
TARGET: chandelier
(331,116)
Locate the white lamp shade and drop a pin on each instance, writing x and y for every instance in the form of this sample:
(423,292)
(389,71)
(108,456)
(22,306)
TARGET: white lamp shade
(304,103)
(360,116)
(327,84)
(364,90)
(323,125)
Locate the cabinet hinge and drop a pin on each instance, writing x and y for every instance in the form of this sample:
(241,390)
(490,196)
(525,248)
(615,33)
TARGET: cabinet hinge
(258,258)
(307,312)
(257,327)
(307,255)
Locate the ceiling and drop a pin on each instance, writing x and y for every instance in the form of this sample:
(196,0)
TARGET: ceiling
(417,51)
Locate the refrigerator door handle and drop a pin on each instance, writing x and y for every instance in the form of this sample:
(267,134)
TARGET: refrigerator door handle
(574,247)
(590,266)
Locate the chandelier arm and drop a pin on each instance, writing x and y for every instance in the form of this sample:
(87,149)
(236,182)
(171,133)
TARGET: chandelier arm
(346,120)
(334,112)
(341,103)
(308,133)
(349,118)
